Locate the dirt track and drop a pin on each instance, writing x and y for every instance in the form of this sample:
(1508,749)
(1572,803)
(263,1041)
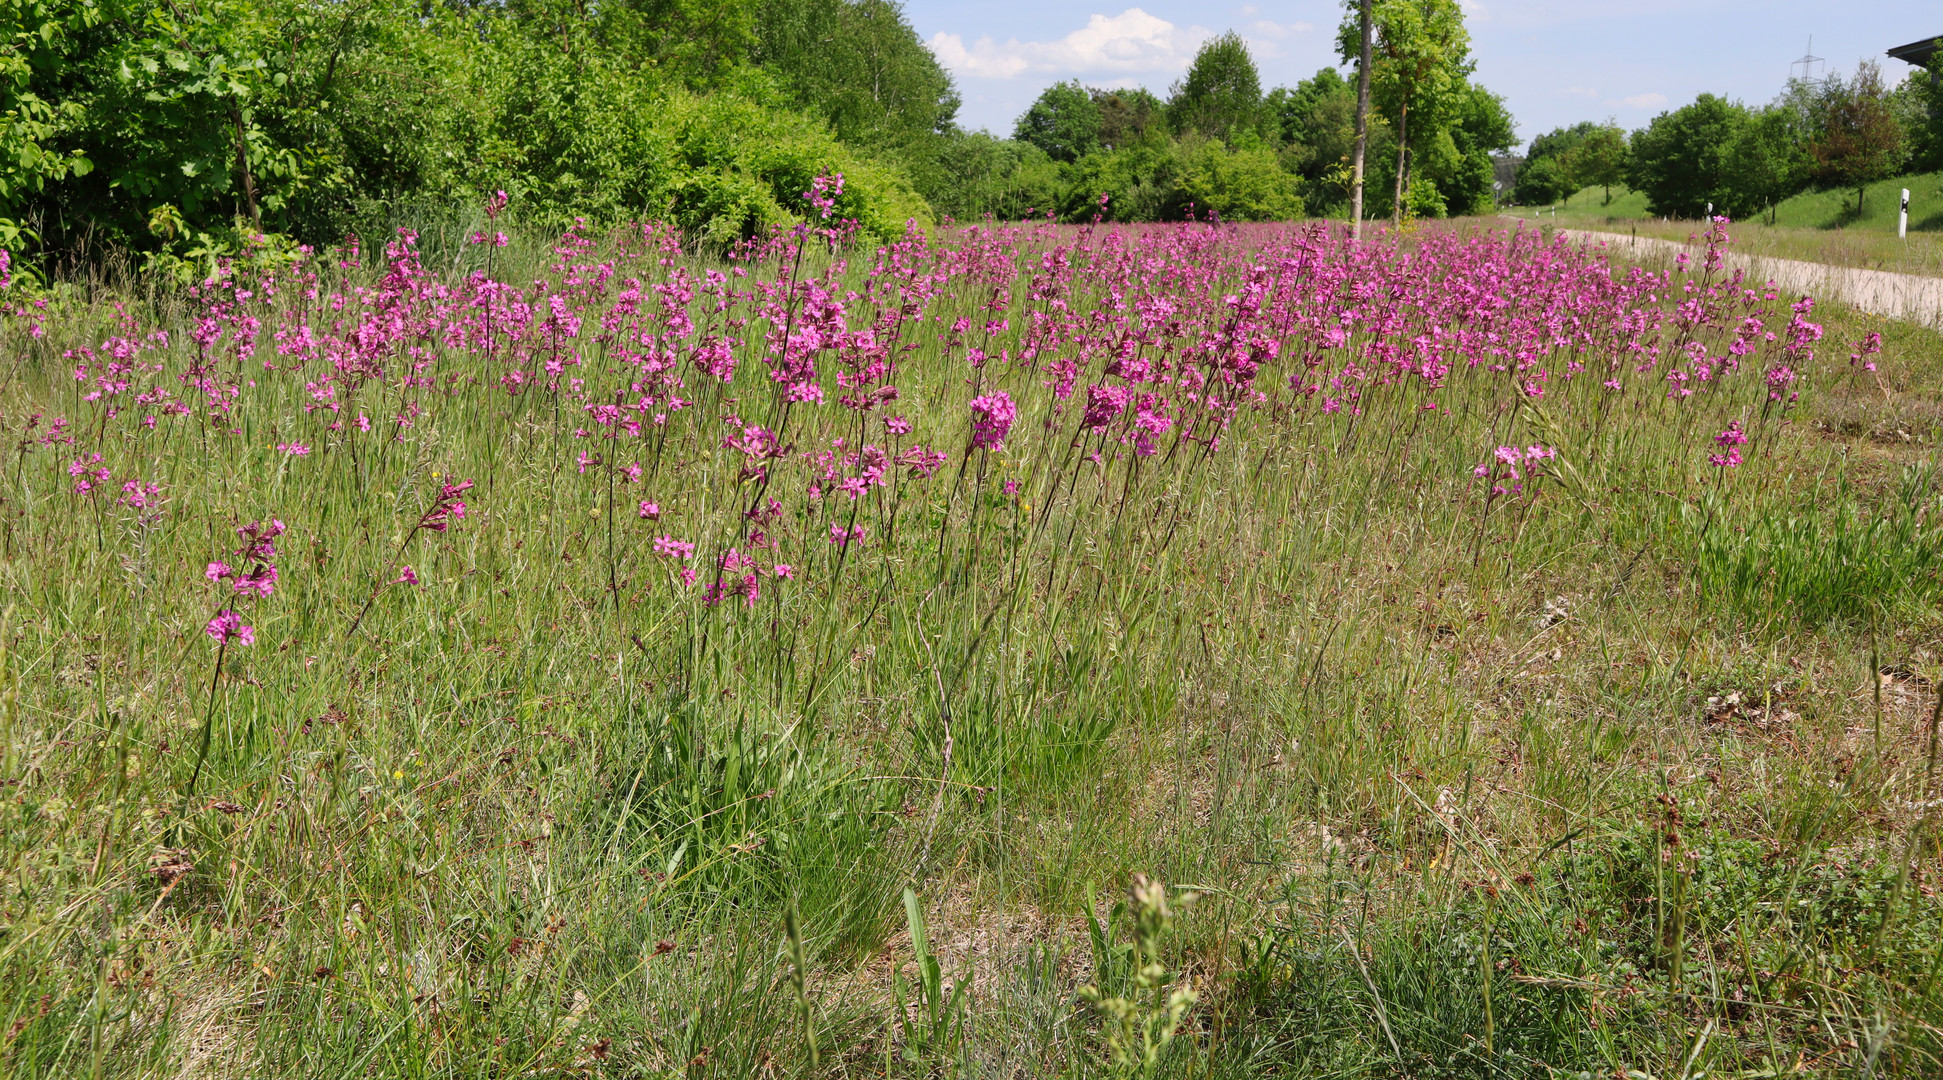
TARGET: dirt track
(1908,297)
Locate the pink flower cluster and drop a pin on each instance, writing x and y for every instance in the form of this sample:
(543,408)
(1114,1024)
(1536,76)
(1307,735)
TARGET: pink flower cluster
(823,194)
(1870,345)
(228,626)
(447,508)
(255,579)
(258,556)
(1510,467)
(1730,440)
(992,417)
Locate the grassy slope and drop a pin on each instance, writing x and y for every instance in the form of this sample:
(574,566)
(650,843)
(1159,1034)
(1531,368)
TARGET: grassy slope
(1590,205)
(1814,226)
(1881,205)
(1438,830)
(1809,210)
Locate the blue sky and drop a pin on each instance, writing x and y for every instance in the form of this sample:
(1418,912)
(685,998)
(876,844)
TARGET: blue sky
(1555,62)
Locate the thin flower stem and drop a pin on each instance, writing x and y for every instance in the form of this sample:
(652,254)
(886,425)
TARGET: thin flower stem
(202,753)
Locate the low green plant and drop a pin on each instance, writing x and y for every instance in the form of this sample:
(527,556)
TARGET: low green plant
(930,1010)
(1141,1021)
(1835,560)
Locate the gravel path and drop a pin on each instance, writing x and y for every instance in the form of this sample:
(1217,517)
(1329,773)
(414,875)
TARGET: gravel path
(1908,297)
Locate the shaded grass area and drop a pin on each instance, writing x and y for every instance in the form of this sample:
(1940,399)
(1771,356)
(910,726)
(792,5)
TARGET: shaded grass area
(1638,775)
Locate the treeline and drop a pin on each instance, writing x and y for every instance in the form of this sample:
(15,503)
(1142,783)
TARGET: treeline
(1219,145)
(1223,146)
(185,130)
(1832,133)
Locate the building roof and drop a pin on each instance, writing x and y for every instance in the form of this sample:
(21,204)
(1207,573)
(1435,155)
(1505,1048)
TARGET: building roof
(1916,52)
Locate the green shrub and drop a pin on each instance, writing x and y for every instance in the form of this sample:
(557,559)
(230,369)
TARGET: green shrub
(1239,184)
(595,140)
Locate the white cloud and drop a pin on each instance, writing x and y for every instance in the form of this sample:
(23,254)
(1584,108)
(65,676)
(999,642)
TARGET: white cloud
(1644,101)
(1273,30)
(1265,38)
(1582,91)
(1132,41)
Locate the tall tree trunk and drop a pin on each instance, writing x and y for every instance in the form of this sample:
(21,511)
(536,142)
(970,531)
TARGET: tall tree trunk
(1362,130)
(1403,159)
(243,166)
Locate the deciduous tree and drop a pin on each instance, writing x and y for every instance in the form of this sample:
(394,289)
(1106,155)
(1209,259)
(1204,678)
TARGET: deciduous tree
(1858,140)
(1599,159)
(1680,160)
(1222,94)
(1766,162)
(1422,56)
(1128,116)
(1064,122)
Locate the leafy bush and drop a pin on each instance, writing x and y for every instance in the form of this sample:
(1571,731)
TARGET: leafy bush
(177,124)
(976,174)
(1239,185)
(1141,183)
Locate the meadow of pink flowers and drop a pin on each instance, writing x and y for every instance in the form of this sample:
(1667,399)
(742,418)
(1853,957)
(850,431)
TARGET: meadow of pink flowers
(546,625)
(830,377)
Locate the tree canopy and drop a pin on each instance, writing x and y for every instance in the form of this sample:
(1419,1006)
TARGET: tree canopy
(1064,122)
(1857,140)
(1221,97)
(183,132)
(1834,133)
(1680,160)
(1446,127)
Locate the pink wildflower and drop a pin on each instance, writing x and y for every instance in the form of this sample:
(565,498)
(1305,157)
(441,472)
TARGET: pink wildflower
(228,626)
(139,496)
(992,417)
(89,473)
(447,508)
(261,580)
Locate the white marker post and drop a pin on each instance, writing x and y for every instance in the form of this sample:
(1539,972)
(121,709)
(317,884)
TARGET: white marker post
(1902,224)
